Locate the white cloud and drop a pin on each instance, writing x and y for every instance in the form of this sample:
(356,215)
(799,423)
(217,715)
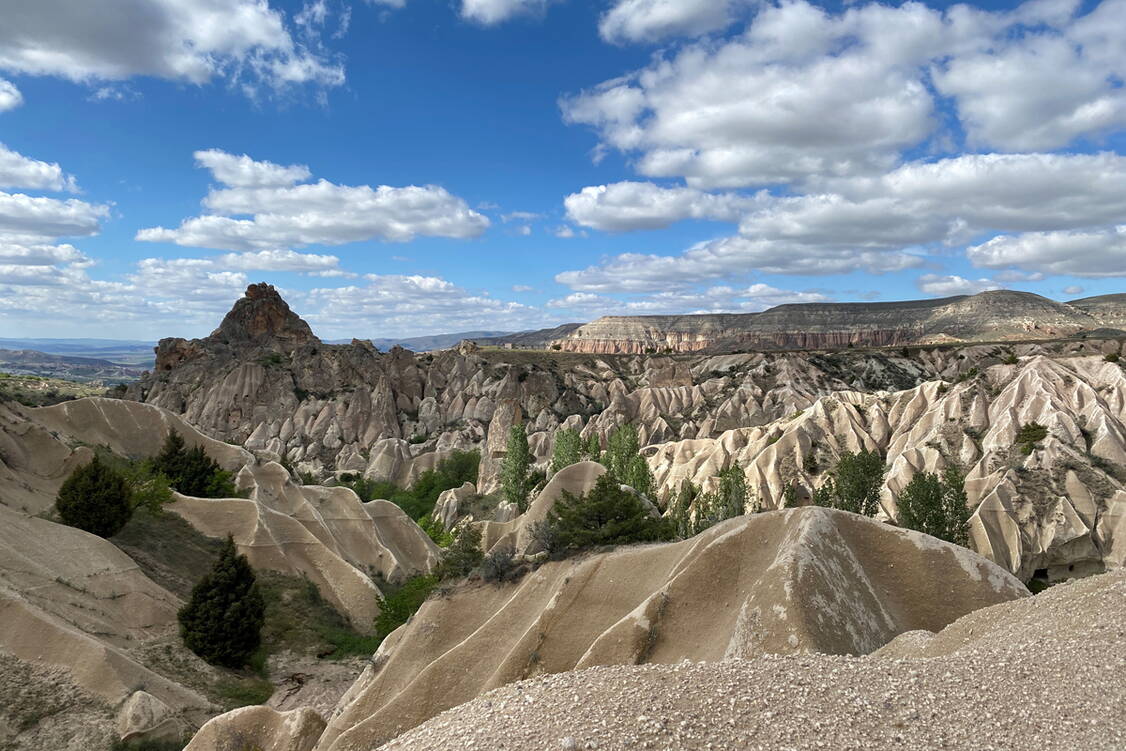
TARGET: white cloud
(185,40)
(625,206)
(10,96)
(35,219)
(396,305)
(522,288)
(491,12)
(525,231)
(520,216)
(653,20)
(563,232)
(13,254)
(1074,289)
(1084,253)
(946,286)
(717,299)
(19,171)
(287,214)
(244,172)
(808,93)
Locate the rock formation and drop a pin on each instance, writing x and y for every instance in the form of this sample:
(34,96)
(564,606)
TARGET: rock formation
(988,316)
(785,582)
(1028,674)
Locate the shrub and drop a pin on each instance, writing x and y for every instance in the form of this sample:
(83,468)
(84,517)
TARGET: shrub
(607,515)
(728,501)
(191,471)
(1029,436)
(936,505)
(854,484)
(222,621)
(95,498)
(462,556)
(515,467)
(501,566)
(1112,357)
(436,531)
(418,502)
(397,608)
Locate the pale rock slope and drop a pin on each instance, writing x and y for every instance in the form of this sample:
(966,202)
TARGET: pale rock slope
(792,581)
(343,545)
(1059,509)
(1041,673)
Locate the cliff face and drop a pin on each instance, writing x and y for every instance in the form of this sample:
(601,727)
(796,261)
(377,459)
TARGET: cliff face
(989,316)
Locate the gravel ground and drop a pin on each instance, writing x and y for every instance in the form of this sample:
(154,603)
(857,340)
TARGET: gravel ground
(1041,673)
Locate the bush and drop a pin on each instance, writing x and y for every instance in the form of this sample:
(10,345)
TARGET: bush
(222,622)
(191,471)
(396,608)
(936,505)
(1029,436)
(607,515)
(854,484)
(462,556)
(1112,357)
(418,502)
(501,566)
(728,501)
(95,498)
(436,531)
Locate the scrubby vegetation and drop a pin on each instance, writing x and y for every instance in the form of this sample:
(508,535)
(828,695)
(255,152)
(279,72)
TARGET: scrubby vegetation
(692,512)
(222,621)
(936,505)
(854,483)
(398,606)
(191,471)
(1029,437)
(298,619)
(418,501)
(463,556)
(607,515)
(95,498)
(623,460)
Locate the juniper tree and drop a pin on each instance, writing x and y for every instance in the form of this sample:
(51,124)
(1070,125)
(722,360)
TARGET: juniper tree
(95,498)
(222,621)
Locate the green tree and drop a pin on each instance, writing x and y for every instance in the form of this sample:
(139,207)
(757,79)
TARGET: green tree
(191,471)
(222,621)
(462,556)
(95,498)
(937,505)
(607,515)
(680,513)
(624,461)
(568,449)
(516,467)
(398,607)
(593,448)
(854,484)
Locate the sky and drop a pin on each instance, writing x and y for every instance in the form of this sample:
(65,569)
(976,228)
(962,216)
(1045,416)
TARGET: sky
(411,167)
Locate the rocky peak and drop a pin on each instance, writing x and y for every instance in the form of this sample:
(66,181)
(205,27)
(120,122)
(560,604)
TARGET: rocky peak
(263,317)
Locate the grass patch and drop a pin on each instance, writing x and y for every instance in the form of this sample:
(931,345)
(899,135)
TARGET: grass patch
(243,691)
(299,620)
(167,549)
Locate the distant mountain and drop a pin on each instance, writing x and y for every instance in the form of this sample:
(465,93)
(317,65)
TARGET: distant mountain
(119,351)
(427,343)
(83,369)
(538,339)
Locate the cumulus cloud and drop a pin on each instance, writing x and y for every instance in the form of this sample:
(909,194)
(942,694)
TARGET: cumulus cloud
(19,171)
(396,305)
(809,93)
(38,219)
(625,206)
(491,12)
(184,40)
(1073,289)
(653,20)
(286,213)
(10,96)
(945,286)
(717,299)
(1084,253)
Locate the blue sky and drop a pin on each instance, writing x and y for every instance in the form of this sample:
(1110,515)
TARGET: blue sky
(410,167)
